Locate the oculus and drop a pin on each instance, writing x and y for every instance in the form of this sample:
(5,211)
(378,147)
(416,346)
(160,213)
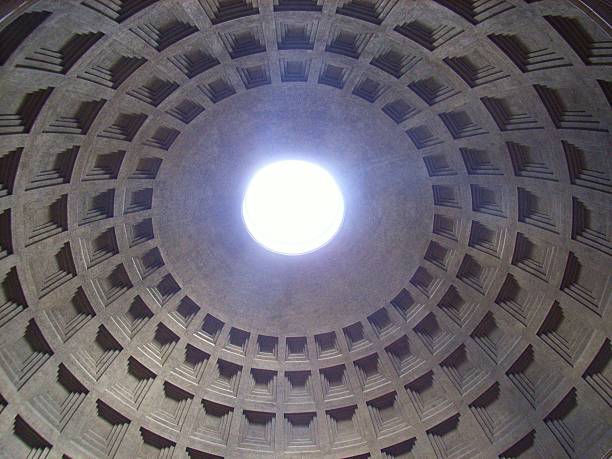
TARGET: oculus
(293,207)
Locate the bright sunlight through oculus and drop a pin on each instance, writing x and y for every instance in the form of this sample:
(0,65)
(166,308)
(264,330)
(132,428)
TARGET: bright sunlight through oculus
(293,207)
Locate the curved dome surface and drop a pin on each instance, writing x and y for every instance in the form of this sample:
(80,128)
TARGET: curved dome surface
(463,310)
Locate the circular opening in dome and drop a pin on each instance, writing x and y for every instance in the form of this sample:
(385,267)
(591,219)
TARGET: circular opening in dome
(293,207)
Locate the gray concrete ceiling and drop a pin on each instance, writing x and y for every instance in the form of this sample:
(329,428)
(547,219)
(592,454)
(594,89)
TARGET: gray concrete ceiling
(463,310)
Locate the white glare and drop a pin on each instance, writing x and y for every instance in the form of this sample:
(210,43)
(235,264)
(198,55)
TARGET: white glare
(292,207)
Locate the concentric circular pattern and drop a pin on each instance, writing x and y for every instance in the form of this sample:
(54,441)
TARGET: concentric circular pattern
(464,309)
(203,238)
